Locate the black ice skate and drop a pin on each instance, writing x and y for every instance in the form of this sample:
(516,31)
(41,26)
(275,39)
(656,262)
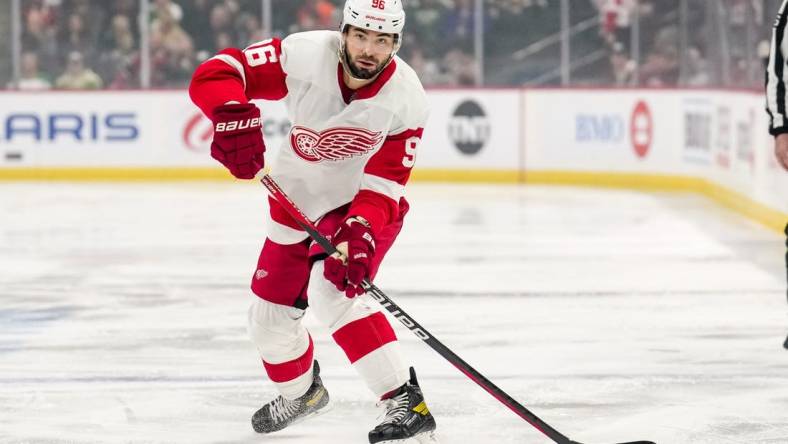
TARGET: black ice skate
(407,417)
(282,412)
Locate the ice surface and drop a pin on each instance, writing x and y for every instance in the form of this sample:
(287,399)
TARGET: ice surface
(612,315)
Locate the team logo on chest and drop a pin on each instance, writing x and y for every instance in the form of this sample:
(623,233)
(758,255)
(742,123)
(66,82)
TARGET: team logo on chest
(333,143)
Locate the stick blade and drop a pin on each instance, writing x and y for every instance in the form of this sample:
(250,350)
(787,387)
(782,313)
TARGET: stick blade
(628,442)
(639,442)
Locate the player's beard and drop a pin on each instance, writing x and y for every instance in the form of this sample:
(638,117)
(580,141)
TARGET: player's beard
(360,72)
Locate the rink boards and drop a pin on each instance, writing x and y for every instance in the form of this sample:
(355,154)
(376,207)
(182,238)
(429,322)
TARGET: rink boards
(707,141)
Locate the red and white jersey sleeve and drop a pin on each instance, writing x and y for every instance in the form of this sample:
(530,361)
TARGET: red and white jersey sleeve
(384,179)
(340,149)
(236,75)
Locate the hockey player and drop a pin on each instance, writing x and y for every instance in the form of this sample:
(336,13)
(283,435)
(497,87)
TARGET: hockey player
(357,113)
(776,98)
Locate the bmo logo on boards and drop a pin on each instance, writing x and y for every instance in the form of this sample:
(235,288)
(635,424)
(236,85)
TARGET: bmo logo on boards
(605,129)
(469,127)
(611,130)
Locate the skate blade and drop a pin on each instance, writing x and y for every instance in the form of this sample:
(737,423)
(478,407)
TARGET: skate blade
(421,438)
(314,414)
(427,438)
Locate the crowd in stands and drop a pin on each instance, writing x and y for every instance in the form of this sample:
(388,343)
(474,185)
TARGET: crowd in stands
(79,44)
(94,44)
(717,35)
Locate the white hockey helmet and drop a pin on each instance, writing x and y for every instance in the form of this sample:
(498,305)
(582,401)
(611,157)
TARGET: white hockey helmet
(386,16)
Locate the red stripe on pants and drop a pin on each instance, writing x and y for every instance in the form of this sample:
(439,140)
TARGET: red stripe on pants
(365,335)
(287,371)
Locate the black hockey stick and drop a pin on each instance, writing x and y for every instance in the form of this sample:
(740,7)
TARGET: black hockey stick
(292,209)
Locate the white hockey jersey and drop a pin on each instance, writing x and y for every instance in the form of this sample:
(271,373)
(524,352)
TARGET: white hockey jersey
(344,146)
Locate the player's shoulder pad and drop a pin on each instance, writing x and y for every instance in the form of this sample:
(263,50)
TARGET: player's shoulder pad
(304,54)
(406,96)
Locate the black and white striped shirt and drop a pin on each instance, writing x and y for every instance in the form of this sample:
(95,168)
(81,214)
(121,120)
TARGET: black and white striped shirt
(776,76)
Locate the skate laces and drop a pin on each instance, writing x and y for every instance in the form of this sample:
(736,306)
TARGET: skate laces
(396,408)
(282,409)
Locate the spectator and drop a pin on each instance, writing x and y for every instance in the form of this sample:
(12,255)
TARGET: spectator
(76,38)
(662,65)
(616,20)
(196,20)
(427,18)
(127,8)
(120,63)
(122,35)
(221,21)
(223,40)
(125,77)
(31,79)
(172,9)
(174,38)
(316,14)
(93,15)
(77,75)
(739,14)
(622,67)
(120,28)
(697,68)
(39,37)
(172,51)
(458,25)
(460,67)
(427,69)
(249,30)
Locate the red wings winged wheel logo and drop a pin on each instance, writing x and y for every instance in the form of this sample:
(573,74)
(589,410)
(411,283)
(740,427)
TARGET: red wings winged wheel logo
(333,143)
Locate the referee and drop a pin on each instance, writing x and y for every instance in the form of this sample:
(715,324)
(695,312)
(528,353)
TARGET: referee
(775,99)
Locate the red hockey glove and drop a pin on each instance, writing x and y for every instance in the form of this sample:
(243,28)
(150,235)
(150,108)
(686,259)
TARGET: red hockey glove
(237,140)
(355,240)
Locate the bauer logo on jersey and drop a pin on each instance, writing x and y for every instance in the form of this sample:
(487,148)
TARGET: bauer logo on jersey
(334,143)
